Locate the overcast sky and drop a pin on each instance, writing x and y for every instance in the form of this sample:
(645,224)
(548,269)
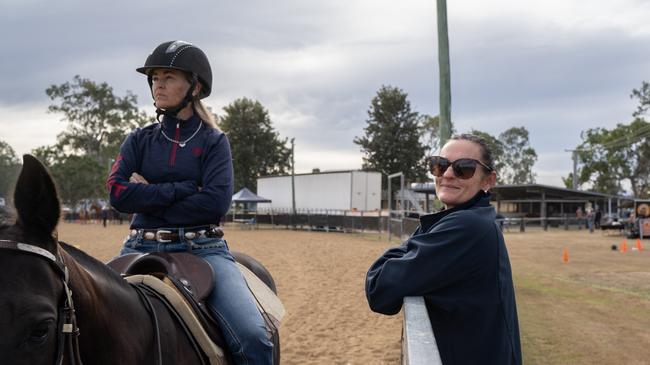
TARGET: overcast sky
(556,67)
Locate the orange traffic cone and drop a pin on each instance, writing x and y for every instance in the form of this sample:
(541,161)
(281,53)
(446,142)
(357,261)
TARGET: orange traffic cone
(639,246)
(565,256)
(624,246)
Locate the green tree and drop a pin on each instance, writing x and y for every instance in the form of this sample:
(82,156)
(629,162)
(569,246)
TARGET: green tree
(48,155)
(98,120)
(257,149)
(518,157)
(392,136)
(607,158)
(79,177)
(497,149)
(568,181)
(430,132)
(643,94)
(513,157)
(9,167)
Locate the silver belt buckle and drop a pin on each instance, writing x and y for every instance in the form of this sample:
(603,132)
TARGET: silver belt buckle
(159,238)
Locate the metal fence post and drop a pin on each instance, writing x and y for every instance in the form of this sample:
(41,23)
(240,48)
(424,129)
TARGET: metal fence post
(327,220)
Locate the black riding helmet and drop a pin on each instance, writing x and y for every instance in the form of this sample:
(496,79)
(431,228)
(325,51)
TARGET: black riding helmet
(183,56)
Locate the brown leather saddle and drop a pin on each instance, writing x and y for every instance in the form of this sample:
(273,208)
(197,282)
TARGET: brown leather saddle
(192,276)
(194,273)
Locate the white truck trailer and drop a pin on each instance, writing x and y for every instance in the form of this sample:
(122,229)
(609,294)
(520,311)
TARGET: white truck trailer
(335,190)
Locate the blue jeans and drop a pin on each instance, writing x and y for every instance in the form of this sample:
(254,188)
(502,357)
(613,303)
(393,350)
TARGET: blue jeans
(231,301)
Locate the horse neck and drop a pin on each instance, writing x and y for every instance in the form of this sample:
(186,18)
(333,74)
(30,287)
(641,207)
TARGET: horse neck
(109,313)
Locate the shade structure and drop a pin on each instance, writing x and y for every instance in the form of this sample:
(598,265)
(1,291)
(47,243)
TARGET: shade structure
(249,200)
(246,196)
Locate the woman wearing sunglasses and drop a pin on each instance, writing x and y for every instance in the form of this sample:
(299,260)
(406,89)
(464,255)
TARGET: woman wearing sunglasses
(456,260)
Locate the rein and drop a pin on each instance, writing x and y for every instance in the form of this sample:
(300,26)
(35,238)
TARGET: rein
(144,292)
(67,325)
(154,318)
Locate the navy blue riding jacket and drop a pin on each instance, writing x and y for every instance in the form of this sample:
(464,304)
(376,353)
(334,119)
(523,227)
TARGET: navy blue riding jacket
(188,186)
(456,260)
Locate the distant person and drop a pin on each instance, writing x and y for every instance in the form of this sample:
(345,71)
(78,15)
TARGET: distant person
(591,215)
(104,216)
(579,217)
(176,177)
(457,260)
(598,218)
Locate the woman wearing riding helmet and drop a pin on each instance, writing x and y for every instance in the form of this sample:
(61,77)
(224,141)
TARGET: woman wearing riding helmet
(176,177)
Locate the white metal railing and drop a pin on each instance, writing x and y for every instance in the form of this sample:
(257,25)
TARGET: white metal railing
(419,343)
(413,199)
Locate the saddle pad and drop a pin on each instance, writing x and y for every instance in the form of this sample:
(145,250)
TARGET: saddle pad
(267,300)
(214,353)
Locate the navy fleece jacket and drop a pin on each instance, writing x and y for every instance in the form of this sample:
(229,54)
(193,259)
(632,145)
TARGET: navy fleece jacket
(456,260)
(188,186)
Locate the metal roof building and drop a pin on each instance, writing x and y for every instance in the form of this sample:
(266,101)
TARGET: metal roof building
(544,201)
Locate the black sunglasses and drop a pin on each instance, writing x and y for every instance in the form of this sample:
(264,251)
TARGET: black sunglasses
(464,168)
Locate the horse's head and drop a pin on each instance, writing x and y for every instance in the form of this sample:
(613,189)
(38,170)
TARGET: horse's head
(32,289)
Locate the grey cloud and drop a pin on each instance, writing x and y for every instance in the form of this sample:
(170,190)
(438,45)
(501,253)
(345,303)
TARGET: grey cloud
(316,65)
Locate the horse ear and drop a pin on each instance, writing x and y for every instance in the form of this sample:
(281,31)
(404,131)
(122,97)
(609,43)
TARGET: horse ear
(35,197)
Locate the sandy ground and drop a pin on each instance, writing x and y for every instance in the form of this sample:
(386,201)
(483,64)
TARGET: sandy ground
(594,309)
(320,279)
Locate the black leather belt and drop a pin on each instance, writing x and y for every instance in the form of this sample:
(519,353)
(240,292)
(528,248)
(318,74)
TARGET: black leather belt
(173,235)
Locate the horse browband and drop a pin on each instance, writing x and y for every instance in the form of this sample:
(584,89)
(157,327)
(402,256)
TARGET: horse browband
(68,324)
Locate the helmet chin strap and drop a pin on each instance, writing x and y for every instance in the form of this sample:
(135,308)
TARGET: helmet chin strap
(173,111)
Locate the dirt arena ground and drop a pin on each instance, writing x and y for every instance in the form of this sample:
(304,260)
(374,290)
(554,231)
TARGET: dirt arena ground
(593,310)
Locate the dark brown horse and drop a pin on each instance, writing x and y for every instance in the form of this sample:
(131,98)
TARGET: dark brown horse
(61,306)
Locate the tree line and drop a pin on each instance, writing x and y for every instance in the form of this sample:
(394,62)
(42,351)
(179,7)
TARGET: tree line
(98,121)
(609,159)
(396,138)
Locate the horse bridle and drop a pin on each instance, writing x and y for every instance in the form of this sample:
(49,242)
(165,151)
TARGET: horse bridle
(67,323)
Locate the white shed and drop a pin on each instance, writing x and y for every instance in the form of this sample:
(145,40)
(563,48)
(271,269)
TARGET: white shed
(335,190)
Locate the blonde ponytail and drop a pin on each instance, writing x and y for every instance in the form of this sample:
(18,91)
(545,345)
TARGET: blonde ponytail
(206,116)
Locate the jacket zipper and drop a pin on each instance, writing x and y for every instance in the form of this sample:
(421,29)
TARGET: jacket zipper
(177,137)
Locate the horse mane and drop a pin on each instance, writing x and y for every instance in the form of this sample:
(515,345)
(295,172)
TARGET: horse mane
(91,263)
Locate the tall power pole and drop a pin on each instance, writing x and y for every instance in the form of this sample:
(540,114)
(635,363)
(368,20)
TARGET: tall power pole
(293,187)
(574,155)
(575,170)
(445,73)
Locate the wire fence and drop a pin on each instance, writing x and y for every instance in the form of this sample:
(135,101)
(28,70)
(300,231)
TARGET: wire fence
(398,224)
(314,219)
